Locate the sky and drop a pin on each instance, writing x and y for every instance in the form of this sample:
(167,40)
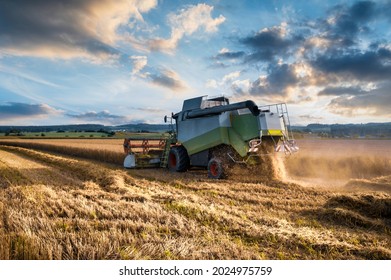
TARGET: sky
(134,61)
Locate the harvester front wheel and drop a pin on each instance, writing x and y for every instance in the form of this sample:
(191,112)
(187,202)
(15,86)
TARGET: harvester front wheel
(178,159)
(215,169)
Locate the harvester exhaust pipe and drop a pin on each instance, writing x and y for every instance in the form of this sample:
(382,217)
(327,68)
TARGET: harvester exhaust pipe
(249,104)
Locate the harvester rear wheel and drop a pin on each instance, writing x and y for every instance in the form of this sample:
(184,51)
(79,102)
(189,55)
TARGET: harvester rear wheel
(215,169)
(178,159)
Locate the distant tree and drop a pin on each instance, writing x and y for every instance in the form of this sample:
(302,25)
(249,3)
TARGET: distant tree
(43,134)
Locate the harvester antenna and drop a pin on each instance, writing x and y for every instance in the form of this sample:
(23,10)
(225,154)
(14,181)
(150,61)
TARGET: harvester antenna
(169,119)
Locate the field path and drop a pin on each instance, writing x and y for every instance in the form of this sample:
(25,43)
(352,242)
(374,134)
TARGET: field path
(35,172)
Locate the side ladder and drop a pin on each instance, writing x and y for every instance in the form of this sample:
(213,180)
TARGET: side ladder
(288,145)
(166,152)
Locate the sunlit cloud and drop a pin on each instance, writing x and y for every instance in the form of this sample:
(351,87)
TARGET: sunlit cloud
(139,62)
(161,77)
(355,101)
(67,29)
(168,79)
(185,23)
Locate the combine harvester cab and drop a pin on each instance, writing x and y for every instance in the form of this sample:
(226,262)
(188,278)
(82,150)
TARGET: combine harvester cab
(215,134)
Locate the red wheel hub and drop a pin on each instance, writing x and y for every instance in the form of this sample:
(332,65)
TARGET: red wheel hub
(214,169)
(172,160)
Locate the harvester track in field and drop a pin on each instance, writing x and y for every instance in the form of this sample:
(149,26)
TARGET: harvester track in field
(267,170)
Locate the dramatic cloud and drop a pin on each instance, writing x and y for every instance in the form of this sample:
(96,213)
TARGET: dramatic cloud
(161,77)
(374,103)
(275,84)
(168,79)
(362,11)
(347,22)
(187,22)
(265,46)
(268,45)
(23,110)
(101,117)
(360,75)
(336,57)
(338,91)
(368,65)
(270,42)
(281,76)
(227,54)
(66,28)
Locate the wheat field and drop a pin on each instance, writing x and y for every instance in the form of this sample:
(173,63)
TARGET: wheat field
(68,201)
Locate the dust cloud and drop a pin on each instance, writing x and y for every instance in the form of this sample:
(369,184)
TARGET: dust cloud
(352,165)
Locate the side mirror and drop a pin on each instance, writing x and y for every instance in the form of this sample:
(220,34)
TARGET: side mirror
(165,119)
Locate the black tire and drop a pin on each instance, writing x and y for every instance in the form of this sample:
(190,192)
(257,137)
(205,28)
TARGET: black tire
(216,169)
(178,159)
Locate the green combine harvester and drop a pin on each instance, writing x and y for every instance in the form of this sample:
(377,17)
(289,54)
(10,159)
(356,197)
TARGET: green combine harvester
(216,135)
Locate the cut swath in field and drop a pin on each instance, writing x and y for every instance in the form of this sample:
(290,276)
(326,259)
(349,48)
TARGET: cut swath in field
(109,151)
